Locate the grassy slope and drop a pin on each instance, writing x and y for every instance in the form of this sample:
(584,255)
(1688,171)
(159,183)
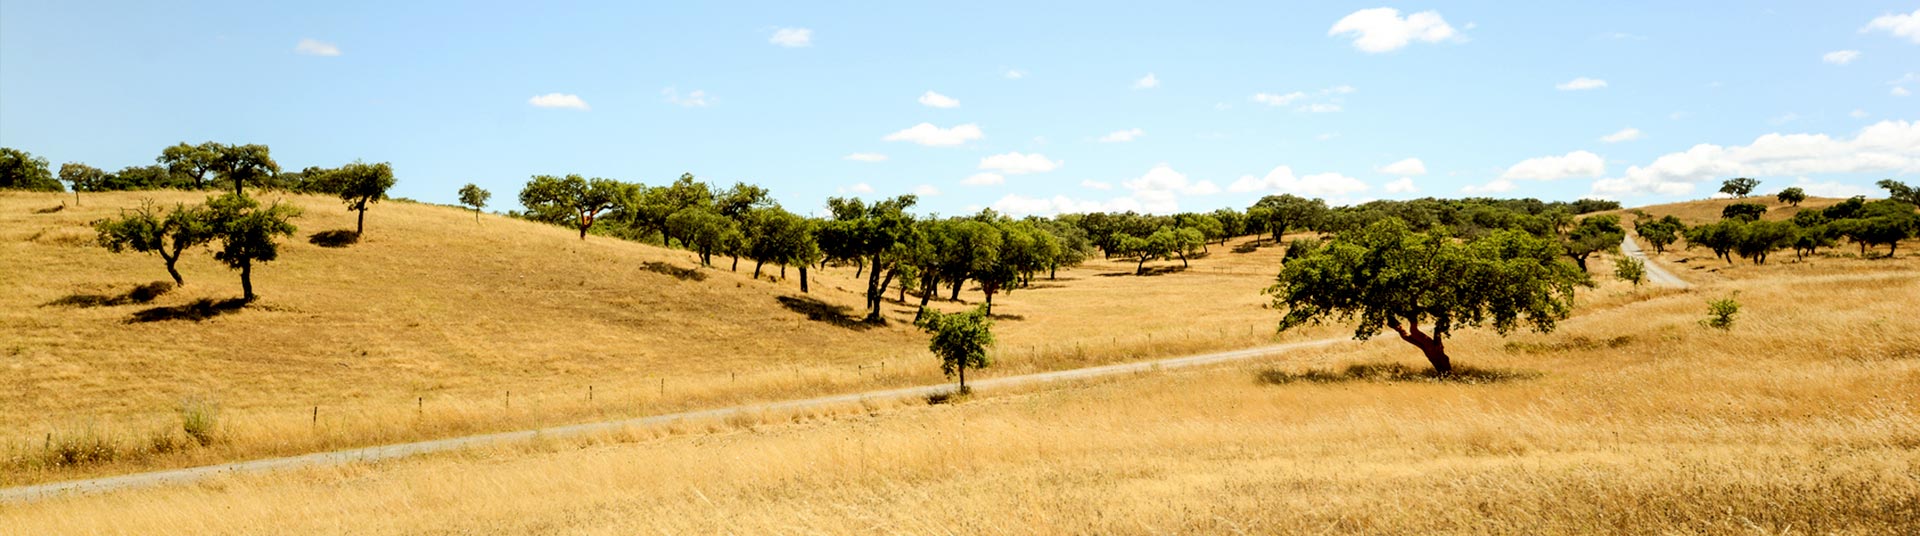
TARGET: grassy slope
(422,328)
(1803,418)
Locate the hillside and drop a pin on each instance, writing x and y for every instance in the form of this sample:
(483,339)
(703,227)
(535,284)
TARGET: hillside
(424,327)
(1699,264)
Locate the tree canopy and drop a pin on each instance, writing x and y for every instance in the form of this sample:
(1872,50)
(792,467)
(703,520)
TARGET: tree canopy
(21,170)
(960,340)
(1739,187)
(572,201)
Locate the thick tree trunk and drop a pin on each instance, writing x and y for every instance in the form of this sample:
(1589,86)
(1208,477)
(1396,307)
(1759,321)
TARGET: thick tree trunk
(1053,272)
(757,263)
(1183,260)
(926,293)
(989,303)
(957,284)
(246,282)
(583,231)
(803,279)
(360,223)
(1434,349)
(1140,268)
(873,291)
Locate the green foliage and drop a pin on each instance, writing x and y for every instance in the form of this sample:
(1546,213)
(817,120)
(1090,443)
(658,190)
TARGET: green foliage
(359,184)
(876,233)
(1755,240)
(198,419)
(1720,313)
(246,164)
(249,233)
(1792,195)
(81,177)
(1594,234)
(21,170)
(703,230)
(1743,211)
(146,230)
(960,340)
(473,195)
(1899,191)
(1300,248)
(572,201)
(1279,213)
(1660,233)
(1388,277)
(1739,187)
(1630,269)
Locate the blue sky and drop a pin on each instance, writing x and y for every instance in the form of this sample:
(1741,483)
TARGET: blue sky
(1036,109)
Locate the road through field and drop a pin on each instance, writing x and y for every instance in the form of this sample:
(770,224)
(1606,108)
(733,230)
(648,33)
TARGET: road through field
(387,452)
(1655,273)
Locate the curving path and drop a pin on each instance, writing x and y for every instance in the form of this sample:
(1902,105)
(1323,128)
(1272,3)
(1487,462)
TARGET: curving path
(1655,273)
(387,452)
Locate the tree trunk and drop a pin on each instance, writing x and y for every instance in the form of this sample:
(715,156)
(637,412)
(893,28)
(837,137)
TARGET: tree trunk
(476,214)
(859,267)
(963,376)
(1434,349)
(170,269)
(957,283)
(236,185)
(757,263)
(926,293)
(783,269)
(1053,272)
(583,231)
(989,303)
(873,291)
(736,264)
(360,223)
(1140,268)
(1183,259)
(803,278)
(246,281)
(76,195)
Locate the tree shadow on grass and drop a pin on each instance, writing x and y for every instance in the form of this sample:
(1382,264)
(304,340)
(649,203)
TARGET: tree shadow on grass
(140,294)
(820,311)
(60,207)
(1251,246)
(199,310)
(1149,272)
(1395,372)
(1008,317)
(337,238)
(683,274)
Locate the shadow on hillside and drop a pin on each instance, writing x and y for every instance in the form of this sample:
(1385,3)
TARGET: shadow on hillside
(820,311)
(1251,246)
(1149,272)
(199,310)
(337,238)
(1008,317)
(50,210)
(683,274)
(1394,372)
(140,294)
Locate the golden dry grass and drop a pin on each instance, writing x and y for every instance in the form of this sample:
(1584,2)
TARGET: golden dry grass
(1803,418)
(1699,265)
(423,328)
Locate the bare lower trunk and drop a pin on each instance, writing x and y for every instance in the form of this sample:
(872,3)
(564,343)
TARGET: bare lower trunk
(803,279)
(957,283)
(926,293)
(963,377)
(873,291)
(1140,268)
(757,263)
(171,270)
(246,282)
(360,223)
(1434,349)
(736,264)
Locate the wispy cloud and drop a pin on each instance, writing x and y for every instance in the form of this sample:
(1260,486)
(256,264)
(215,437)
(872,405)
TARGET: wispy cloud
(792,37)
(933,136)
(314,47)
(1581,84)
(558,100)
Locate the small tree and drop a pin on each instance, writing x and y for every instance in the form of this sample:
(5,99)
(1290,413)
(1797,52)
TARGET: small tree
(1793,195)
(1630,269)
(1594,234)
(360,184)
(81,177)
(572,201)
(147,231)
(1899,191)
(249,233)
(245,163)
(1739,187)
(473,196)
(960,340)
(1720,313)
(1660,233)
(1387,277)
(1743,211)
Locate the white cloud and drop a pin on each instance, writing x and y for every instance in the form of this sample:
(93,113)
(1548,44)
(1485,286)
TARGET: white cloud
(1158,191)
(1899,24)
(1841,57)
(792,37)
(1581,84)
(1410,166)
(1015,163)
(1830,188)
(1272,99)
(1402,186)
(314,47)
(926,190)
(1014,74)
(1497,186)
(932,136)
(1857,114)
(1319,108)
(558,100)
(867,157)
(1121,136)
(693,99)
(1547,168)
(1162,178)
(1096,185)
(1625,134)
(1147,82)
(1886,146)
(1382,29)
(937,100)
(984,179)
(858,188)
(1898,91)
(1282,180)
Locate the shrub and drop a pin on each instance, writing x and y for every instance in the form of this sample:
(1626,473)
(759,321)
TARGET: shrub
(198,419)
(1720,313)
(1630,269)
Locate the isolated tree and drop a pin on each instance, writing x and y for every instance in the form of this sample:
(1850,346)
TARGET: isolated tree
(1594,234)
(146,230)
(1630,269)
(960,340)
(20,170)
(1743,211)
(194,162)
(1792,195)
(1660,233)
(81,177)
(1899,191)
(474,196)
(360,184)
(1739,187)
(249,233)
(572,201)
(1288,211)
(1387,277)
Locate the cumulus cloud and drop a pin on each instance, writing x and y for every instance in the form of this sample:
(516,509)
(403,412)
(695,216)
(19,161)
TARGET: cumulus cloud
(926,190)
(1841,57)
(693,99)
(1899,24)
(1382,29)
(1275,99)
(1147,82)
(1410,166)
(1402,186)
(1830,188)
(1886,146)
(1581,84)
(984,179)
(1015,163)
(937,100)
(867,157)
(1898,91)
(1020,205)
(558,100)
(314,47)
(792,37)
(1547,168)
(1282,180)
(1625,134)
(932,136)
(1122,136)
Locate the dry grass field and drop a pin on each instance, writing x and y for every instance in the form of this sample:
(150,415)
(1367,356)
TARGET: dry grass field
(1804,418)
(435,325)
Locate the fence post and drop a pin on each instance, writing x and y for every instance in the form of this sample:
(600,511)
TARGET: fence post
(589,392)
(316,415)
